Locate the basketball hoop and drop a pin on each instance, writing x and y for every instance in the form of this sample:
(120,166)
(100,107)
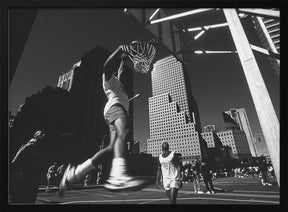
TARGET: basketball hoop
(141,53)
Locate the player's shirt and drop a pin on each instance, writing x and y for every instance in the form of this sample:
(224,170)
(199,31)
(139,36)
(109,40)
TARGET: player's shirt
(115,93)
(169,170)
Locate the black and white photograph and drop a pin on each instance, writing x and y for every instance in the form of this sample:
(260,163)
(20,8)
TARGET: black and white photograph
(143,106)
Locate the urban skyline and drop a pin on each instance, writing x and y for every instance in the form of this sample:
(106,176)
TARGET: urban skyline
(65,43)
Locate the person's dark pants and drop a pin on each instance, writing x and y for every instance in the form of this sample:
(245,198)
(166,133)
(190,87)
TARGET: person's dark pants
(208,183)
(264,177)
(23,188)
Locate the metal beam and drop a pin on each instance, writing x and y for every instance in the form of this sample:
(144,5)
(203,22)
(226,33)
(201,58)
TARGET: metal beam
(199,34)
(207,27)
(265,51)
(267,117)
(214,52)
(262,12)
(152,16)
(179,15)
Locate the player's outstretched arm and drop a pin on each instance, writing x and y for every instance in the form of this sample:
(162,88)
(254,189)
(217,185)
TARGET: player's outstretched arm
(108,67)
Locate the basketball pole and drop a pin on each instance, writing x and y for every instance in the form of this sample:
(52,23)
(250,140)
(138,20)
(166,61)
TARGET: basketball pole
(266,114)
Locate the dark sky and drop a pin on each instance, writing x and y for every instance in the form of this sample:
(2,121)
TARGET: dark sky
(60,37)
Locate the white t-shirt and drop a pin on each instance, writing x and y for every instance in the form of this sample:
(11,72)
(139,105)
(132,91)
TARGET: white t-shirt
(169,170)
(115,93)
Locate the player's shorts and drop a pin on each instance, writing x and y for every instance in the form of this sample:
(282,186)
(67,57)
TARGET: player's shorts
(171,183)
(115,111)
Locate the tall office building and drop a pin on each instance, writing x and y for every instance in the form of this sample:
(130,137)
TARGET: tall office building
(207,135)
(230,135)
(209,138)
(173,112)
(240,117)
(66,79)
(261,147)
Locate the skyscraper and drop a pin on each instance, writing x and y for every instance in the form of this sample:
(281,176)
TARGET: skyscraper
(173,112)
(240,117)
(231,135)
(261,147)
(209,138)
(66,79)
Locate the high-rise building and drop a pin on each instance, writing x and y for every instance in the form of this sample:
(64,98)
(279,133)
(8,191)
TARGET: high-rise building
(66,79)
(261,147)
(173,112)
(230,135)
(240,117)
(209,138)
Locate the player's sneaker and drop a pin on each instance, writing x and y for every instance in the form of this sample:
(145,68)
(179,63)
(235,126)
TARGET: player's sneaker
(125,182)
(200,192)
(64,181)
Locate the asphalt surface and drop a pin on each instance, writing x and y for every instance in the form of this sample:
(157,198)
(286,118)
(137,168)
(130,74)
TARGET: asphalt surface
(229,190)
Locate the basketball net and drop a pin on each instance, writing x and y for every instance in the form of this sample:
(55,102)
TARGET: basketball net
(141,53)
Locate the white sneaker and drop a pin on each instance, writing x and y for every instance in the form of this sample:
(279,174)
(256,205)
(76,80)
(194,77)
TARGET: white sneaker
(125,182)
(64,181)
(200,192)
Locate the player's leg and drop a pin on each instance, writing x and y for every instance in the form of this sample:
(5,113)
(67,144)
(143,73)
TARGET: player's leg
(198,183)
(166,186)
(206,184)
(211,185)
(194,184)
(168,193)
(119,163)
(119,177)
(73,174)
(173,195)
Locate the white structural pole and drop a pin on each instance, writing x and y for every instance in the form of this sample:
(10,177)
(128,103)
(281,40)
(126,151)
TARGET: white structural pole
(262,12)
(264,108)
(180,15)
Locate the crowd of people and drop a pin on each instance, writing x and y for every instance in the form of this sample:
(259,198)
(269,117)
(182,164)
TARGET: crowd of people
(194,172)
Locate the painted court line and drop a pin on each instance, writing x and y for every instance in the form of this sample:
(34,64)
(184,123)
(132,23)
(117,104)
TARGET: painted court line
(271,192)
(145,201)
(44,200)
(224,194)
(96,194)
(237,200)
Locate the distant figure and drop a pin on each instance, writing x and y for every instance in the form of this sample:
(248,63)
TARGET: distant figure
(26,170)
(264,173)
(196,176)
(207,177)
(51,176)
(169,167)
(60,172)
(87,179)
